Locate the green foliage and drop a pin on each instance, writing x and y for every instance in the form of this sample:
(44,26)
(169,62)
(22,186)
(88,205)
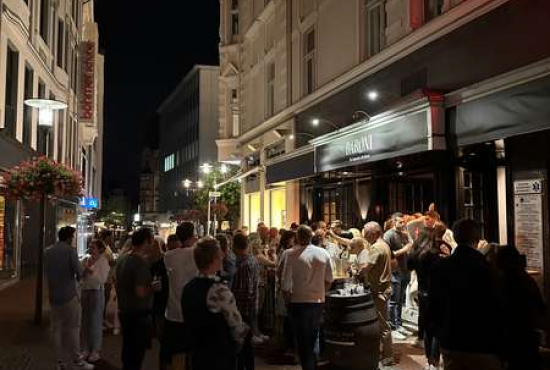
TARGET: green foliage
(230,196)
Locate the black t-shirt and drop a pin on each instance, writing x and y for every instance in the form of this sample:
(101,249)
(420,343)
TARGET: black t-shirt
(397,241)
(133,271)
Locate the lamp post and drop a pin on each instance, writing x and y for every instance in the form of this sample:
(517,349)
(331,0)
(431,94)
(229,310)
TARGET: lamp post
(317,121)
(46,110)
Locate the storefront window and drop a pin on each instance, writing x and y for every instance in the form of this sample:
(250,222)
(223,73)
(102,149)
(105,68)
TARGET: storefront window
(278,208)
(8,265)
(331,207)
(255,211)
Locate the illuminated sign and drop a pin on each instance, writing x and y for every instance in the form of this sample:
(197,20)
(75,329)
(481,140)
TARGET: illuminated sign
(87,83)
(373,142)
(89,203)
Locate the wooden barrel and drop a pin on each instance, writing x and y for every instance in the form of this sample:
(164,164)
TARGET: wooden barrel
(352,332)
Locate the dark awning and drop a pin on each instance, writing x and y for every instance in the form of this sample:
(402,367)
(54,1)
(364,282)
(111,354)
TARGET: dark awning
(290,169)
(12,152)
(520,110)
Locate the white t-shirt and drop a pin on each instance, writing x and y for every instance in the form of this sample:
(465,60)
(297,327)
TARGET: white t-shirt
(305,272)
(98,275)
(181,268)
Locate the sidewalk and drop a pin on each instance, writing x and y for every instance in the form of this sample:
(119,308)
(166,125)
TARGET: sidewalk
(25,346)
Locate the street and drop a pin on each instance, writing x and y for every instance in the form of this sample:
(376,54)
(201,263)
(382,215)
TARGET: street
(25,346)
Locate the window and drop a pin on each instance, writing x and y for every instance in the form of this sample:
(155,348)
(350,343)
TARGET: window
(45,20)
(60,43)
(27,111)
(432,9)
(83,168)
(12,75)
(235,113)
(309,62)
(60,132)
(375,26)
(51,134)
(68,136)
(270,89)
(169,162)
(234,17)
(67,50)
(40,142)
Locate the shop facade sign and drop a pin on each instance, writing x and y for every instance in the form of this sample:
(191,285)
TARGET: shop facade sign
(529,221)
(87,86)
(410,133)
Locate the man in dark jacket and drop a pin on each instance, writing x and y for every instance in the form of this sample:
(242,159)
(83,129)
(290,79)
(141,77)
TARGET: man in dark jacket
(466,306)
(209,309)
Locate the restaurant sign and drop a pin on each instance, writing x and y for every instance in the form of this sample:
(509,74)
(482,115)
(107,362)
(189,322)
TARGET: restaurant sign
(372,141)
(87,83)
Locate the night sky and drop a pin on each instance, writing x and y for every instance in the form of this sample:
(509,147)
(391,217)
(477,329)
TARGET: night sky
(149,46)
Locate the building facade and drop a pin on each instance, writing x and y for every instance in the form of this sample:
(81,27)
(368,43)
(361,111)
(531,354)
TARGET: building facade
(149,181)
(356,109)
(188,129)
(41,56)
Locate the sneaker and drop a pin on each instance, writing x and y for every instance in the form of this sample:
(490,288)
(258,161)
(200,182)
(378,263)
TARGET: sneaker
(116,331)
(404,331)
(83,365)
(94,357)
(387,362)
(323,362)
(417,343)
(257,341)
(265,338)
(397,335)
(61,366)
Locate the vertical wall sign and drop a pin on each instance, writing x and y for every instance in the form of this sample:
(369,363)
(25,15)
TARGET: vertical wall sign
(87,83)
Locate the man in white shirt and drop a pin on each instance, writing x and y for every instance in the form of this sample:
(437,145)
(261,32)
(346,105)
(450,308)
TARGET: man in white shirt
(181,269)
(306,277)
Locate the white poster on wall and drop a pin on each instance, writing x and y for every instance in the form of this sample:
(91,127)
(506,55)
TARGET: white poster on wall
(529,221)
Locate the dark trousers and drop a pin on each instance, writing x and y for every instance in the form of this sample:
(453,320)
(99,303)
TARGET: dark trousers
(431,343)
(135,339)
(245,358)
(399,282)
(306,320)
(174,339)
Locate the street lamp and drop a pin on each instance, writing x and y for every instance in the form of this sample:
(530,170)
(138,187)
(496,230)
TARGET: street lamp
(46,110)
(317,121)
(293,136)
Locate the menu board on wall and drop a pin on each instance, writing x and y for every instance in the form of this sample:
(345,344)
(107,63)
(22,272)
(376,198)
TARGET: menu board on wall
(529,231)
(2,229)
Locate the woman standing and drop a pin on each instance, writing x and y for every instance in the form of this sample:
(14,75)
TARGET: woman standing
(96,271)
(425,254)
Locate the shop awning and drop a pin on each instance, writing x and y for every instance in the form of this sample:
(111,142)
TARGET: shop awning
(239,176)
(295,165)
(416,125)
(13,152)
(519,110)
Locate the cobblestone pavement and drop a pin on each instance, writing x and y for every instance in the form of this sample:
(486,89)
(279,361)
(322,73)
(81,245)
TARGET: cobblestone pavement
(25,346)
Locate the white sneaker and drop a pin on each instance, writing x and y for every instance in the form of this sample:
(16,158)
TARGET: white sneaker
(404,331)
(265,338)
(397,335)
(116,331)
(94,357)
(83,365)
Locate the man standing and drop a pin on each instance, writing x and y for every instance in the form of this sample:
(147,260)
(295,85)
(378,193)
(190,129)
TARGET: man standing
(376,270)
(400,244)
(62,270)
(210,312)
(135,300)
(245,289)
(306,277)
(181,268)
(463,289)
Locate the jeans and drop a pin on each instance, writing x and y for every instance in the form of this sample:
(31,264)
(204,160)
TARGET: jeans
(65,326)
(93,303)
(135,339)
(306,320)
(399,282)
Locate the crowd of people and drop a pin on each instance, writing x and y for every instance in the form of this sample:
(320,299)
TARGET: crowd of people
(210,302)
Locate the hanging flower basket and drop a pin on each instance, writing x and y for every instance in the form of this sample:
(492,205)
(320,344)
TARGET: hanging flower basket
(219,210)
(31,180)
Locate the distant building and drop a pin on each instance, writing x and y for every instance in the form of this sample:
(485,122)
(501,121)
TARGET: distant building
(149,181)
(188,129)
